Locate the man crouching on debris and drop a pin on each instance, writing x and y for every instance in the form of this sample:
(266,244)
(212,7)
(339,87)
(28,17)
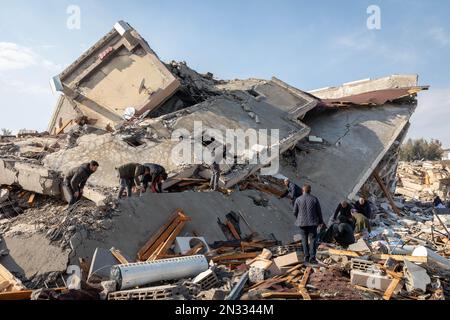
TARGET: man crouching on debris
(309,216)
(129,175)
(154,176)
(75,180)
(293,191)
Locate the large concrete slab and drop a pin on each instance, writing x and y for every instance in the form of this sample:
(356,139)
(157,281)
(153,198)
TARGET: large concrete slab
(356,141)
(33,255)
(142,217)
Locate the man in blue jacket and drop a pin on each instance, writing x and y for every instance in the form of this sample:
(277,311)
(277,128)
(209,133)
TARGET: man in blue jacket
(309,216)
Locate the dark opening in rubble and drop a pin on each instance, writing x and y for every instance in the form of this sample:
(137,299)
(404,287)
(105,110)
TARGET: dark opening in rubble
(133,141)
(253,93)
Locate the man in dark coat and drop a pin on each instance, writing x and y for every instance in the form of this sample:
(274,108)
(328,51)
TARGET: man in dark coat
(154,176)
(293,191)
(309,216)
(363,206)
(75,180)
(130,174)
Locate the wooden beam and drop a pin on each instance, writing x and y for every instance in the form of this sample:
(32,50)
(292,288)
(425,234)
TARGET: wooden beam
(397,257)
(168,243)
(236,256)
(343,253)
(390,290)
(386,192)
(162,234)
(6,276)
(233,230)
(118,255)
(31,199)
(61,129)
(305,278)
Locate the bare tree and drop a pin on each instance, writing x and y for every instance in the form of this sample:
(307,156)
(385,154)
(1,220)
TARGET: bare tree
(6,132)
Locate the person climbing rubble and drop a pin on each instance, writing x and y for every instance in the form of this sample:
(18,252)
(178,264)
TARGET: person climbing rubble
(293,191)
(154,176)
(309,216)
(75,180)
(130,175)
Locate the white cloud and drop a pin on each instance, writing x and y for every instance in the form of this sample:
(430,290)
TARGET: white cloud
(22,87)
(431,117)
(17,57)
(439,35)
(367,42)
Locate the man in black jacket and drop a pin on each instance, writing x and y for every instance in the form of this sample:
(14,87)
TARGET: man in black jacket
(309,216)
(293,191)
(363,206)
(75,180)
(154,175)
(130,174)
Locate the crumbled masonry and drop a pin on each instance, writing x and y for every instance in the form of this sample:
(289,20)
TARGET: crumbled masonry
(120,103)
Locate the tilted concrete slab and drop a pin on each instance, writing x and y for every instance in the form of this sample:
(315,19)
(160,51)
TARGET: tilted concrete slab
(33,255)
(142,217)
(356,141)
(222,113)
(366,85)
(118,72)
(30,177)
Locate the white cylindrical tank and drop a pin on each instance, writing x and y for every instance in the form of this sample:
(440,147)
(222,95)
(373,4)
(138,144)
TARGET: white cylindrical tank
(138,274)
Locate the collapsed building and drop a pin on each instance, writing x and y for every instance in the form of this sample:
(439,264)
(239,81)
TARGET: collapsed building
(119,103)
(424,180)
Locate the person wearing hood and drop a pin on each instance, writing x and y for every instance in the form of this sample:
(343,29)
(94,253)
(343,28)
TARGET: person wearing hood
(75,180)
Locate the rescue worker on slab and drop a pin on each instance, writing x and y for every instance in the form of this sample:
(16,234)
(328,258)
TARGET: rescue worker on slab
(130,175)
(293,191)
(75,180)
(154,176)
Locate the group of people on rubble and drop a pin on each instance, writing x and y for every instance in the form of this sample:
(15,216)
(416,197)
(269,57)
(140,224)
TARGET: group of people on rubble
(348,220)
(133,177)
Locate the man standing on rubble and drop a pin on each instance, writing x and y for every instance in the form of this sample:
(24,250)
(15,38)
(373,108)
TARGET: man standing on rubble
(154,175)
(363,206)
(293,191)
(309,216)
(75,180)
(130,174)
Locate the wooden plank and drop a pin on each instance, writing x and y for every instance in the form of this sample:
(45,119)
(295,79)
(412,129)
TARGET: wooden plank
(60,130)
(31,199)
(236,256)
(158,234)
(195,249)
(161,235)
(22,295)
(168,243)
(343,253)
(304,293)
(5,275)
(233,230)
(118,255)
(390,290)
(386,192)
(305,278)
(397,257)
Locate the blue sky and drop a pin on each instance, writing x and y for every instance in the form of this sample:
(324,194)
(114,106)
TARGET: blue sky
(307,44)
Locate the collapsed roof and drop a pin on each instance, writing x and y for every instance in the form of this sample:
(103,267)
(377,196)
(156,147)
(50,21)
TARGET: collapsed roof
(133,104)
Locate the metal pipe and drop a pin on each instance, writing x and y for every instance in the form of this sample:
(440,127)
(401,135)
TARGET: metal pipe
(138,274)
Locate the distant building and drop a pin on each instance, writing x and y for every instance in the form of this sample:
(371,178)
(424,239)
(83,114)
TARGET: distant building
(446,154)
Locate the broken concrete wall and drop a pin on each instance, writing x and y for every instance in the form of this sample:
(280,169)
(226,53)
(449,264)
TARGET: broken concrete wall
(118,72)
(30,177)
(366,85)
(356,140)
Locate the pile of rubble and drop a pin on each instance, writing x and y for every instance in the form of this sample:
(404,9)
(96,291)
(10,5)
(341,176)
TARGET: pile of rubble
(402,257)
(424,180)
(119,104)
